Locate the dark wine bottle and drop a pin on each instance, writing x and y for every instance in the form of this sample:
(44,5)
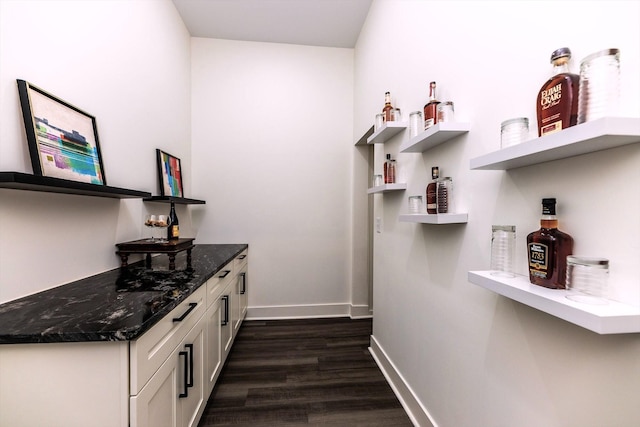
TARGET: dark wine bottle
(173,231)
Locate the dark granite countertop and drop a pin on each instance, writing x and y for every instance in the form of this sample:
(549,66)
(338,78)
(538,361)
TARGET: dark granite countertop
(118,305)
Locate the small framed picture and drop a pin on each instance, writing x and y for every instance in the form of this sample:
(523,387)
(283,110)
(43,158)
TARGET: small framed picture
(169,174)
(63,140)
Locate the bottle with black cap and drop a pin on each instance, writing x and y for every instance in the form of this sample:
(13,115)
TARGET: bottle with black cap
(547,250)
(173,231)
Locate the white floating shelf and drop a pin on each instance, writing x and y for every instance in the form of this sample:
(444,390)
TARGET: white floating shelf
(610,318)
(450,218)
(386,132)
(387,187)
(597,135)
(435,135)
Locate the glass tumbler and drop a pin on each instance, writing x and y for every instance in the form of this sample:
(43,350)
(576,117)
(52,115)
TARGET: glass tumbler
(503,245)
(587,279)
(415,204)
(378,122)
(599,93)
(514,131)
(416,124)
(445,112)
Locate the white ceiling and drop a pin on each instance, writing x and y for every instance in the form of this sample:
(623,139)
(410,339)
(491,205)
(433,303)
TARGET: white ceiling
(331,23)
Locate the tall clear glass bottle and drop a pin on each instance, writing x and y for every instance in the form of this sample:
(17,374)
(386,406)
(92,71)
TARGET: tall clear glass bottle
(547,250)
(557,104)
(445,189)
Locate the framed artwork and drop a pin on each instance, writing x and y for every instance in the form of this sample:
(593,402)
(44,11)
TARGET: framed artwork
(169,174)
(63,140)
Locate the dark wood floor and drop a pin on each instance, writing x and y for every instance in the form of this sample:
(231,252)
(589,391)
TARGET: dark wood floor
(300,373)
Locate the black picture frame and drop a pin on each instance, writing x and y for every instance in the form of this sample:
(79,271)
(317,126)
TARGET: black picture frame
(169,174)
(63,139)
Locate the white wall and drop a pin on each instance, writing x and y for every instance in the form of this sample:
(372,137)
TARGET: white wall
(272,137)
(473,358)
(128,64)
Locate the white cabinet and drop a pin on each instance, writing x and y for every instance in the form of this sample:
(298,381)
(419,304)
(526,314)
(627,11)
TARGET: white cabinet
(69,384)
(175,393)
(227,300)
(214,344)
(161,379)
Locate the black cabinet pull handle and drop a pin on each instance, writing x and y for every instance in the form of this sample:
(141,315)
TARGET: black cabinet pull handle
(242,257)
(186,379)
(226,273)
(190,381)
(243,290)
(192,305)
(225,319)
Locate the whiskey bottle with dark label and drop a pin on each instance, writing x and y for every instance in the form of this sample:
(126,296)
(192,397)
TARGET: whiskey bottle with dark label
(557,106)
(547,250)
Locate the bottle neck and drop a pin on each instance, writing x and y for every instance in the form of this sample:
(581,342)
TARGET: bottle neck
(432,92)
(560,67)
(549,221)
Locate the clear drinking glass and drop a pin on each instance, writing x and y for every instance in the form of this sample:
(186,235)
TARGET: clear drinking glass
(416,124)
(599,94)
(503,244)
(587,279)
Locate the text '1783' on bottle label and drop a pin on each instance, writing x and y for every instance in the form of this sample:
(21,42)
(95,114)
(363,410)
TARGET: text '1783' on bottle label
(538,260)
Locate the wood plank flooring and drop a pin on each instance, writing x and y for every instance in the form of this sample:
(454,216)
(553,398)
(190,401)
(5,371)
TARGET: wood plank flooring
(301,373)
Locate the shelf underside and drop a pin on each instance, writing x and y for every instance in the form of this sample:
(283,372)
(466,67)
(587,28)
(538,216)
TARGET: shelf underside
(387,187)
(452,218)
(610,318)
(175,200)
(24,181)
(600,134)
(434,136)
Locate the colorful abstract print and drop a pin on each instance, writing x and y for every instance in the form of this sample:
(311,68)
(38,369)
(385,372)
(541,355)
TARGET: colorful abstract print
(172,175)
(67,154)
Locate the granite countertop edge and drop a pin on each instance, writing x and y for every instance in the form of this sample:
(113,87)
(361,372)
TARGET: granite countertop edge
(117,305)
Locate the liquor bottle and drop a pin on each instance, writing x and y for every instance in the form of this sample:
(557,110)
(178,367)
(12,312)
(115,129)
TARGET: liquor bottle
(547,250)
(432,192)
(445,188)
(387,110)
(173,231)
(431,108)
(386,169)
(557,106)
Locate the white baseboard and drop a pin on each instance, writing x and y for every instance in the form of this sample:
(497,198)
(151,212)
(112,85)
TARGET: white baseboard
(360,312)
(417,413)
(305,311)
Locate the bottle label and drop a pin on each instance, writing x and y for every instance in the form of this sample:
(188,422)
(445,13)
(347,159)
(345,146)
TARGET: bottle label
(551,128)
(428,123)
(538,260)
(551,96)
(175,231)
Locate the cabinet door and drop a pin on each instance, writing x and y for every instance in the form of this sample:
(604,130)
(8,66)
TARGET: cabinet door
(213,352)
(157,404)
(226,327)
(235,308)
(243,283)
(192,386)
